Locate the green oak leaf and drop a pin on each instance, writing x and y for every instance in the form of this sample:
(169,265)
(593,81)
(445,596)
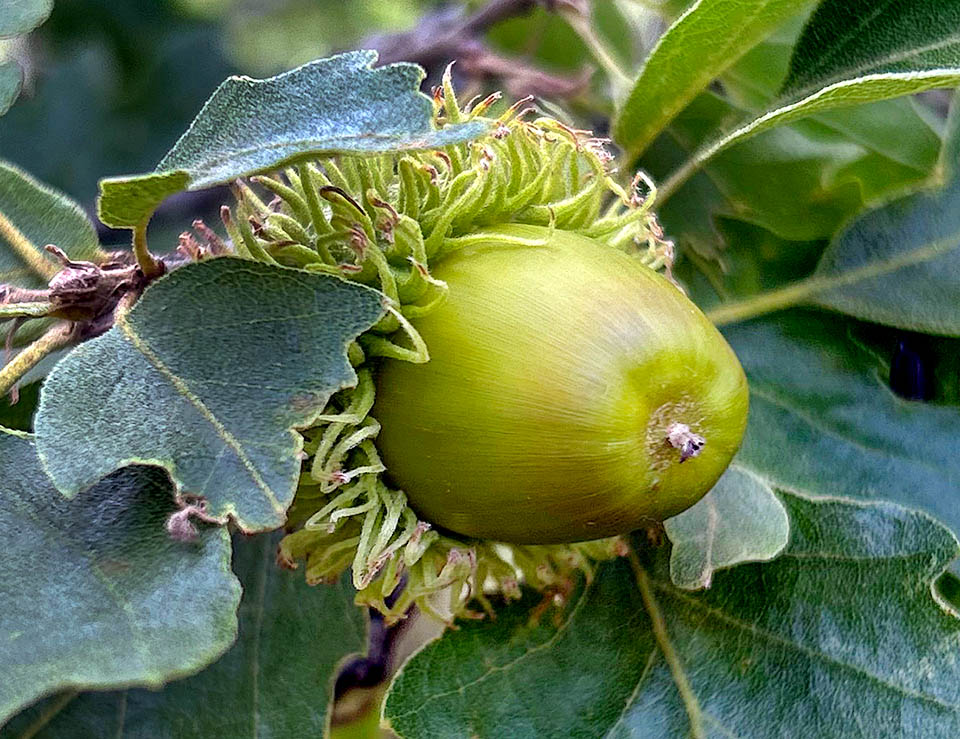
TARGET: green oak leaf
(276,681)
(856,38)
(844,618)
(207,376)
(822,422)
(32,215)
(706,40)
(740,520)
(334,105)
(95,592)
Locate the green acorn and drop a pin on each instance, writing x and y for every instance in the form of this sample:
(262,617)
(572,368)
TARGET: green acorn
(536,388)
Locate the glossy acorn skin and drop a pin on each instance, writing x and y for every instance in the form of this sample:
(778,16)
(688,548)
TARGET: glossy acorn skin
(555,373)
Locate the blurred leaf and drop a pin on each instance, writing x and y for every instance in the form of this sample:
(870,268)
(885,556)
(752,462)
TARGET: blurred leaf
(247,126)
(276,681)
(32,215)
(843,619)
(822,422)
(855,38)
(740,520)
(95,592)
(707,39)
(11,79)
(22,16)
(207,376)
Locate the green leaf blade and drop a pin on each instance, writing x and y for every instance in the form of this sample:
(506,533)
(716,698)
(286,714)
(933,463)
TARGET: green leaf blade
(768,648)
(822,423)
(277,680)
(11,81)
(705,41)
(740,520)
(335,105)
(151,609)
(855,38)
(207,376)
(905,257)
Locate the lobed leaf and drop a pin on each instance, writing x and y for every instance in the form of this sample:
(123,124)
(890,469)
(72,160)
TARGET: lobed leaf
(95,593)
(277,680)
(207,376)
(706,40)
(844,618)
(248,126)
(740,520)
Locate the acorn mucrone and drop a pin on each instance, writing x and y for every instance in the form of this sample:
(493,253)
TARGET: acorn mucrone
(535,389)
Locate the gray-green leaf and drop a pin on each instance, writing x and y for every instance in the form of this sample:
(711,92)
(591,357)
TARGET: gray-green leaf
(856,38)
(32,215)
(740,520)
(898,264)
(844,619)
(822,422)
(95,593)
(334,105)
(22,16)
(207,376)
(706,40)
(11,80)
(277,681)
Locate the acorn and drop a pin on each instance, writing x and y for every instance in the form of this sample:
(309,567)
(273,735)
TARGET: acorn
(535,388)
(572,393)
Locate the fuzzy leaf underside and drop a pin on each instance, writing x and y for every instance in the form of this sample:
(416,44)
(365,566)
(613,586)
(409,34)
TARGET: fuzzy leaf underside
(844,618)
(95,593)
(854,38)
(207,376)
(31,216)
(706,40)
(822,422)
(277,680)
(335,105)
(740,520)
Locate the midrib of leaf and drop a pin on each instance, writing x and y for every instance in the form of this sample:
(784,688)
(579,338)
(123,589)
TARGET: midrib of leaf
(184,390)
(697,605)
(26,250)
(494,669)
(799,292)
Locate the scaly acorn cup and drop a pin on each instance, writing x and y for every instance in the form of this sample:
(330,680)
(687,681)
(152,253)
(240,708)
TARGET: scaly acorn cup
(536,387)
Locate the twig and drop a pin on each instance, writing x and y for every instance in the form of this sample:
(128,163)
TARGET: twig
(451,34)
(56,338)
